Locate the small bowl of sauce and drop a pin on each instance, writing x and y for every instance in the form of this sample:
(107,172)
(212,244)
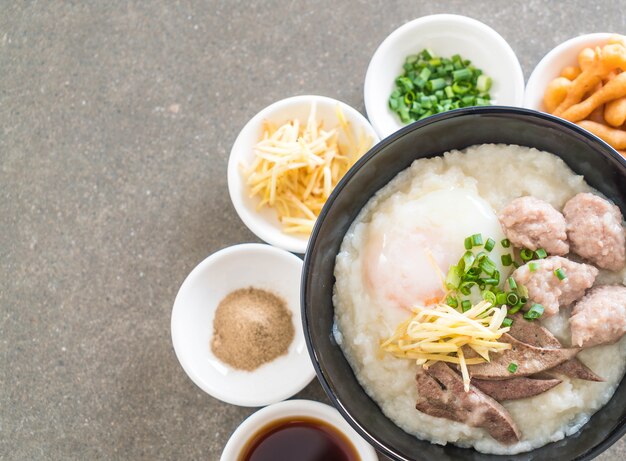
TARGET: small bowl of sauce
(300,430)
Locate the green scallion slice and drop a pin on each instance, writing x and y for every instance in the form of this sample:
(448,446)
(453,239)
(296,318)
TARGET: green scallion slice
(483,83)
(506,259)
(466,287)
(505,243)
(490,244)
(512,299)
(534,312)
(488,266)
(560,274)
(436,84)
(512,283)
(453,278)
(541,253)
(461,74)
(473,273)
(515,309)
(526,254)
(533,266)
(507,322)
(468,243)
(468,260)
(452,301)
(477,239)
(512,367)
(489,297)
(466,305)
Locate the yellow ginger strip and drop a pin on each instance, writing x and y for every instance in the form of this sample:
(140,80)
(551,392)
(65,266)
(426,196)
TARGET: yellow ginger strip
(439,333)
(297,165)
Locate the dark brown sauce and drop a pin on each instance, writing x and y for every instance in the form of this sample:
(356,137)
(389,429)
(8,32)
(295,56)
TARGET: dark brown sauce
(299,439)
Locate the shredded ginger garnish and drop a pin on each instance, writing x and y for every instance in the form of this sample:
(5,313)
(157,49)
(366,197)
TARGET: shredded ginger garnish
(439,332)
(297,166)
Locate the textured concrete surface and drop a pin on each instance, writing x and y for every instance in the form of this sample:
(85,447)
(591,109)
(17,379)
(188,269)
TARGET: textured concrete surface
(116,119)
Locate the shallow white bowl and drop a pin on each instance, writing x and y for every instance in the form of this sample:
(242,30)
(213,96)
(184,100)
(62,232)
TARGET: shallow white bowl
(446,35)
(264,223)
(240,266)
(294,408)
(550,67)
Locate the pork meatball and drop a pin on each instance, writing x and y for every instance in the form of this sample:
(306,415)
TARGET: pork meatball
(532,223)
(545,288)
(595,230)
(600,317)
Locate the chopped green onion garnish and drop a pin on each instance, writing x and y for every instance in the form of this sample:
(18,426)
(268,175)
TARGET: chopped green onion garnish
(490,297)
(515,309)
(466,305)
(436,84)
(468,243)
(481,255)
(452,301)
(560,274)
(512,283)
(533,266)
(466,287)
(526,254)
(460,88)
(488,266)
(505,243)
(490,281)
(507,322)
(462,74)
(541,253)
(534,312)
(512,299)
(483,83)
(473,273)
(455,81)
(501,299)
(453,279)
(506,260)
(512,367)
(477,239)
(468,260)
(489,244)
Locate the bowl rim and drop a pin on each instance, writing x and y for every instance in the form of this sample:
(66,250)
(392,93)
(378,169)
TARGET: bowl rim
(275,236)
(544,63)
(620,429)
(500,43)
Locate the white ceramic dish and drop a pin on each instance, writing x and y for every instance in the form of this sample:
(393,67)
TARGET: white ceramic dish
(550,67)
(294,408)
(446,35)
(264,223)
(239,266)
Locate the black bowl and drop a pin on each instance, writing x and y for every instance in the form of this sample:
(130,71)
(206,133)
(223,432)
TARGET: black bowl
(603,169)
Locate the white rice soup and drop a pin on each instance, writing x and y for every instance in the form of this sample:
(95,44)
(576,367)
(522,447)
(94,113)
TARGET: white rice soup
(367,299)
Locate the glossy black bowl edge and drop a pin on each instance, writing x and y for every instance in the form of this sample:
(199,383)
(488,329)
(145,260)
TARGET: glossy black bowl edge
(613,157)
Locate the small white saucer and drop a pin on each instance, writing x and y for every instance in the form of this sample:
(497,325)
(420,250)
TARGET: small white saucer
(240,266)
(295,408)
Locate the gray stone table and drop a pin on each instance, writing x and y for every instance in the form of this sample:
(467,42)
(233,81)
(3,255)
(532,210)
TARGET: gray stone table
(116,120)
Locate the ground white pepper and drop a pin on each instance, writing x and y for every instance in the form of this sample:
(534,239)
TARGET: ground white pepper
(251,327)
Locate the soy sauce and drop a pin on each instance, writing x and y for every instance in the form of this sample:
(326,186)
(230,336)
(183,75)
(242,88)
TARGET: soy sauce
(298,439)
